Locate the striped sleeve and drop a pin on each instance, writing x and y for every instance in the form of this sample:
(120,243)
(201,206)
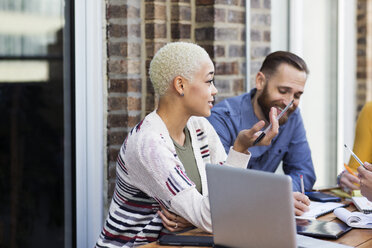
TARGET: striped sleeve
(159,174)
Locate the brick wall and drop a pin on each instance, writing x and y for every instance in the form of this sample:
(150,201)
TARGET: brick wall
(364,53)
(361,53)
(220,28)
(137,29)
(369,50)
(260,35)
(124,75)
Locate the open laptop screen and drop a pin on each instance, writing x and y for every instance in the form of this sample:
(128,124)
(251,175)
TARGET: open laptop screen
(251,207)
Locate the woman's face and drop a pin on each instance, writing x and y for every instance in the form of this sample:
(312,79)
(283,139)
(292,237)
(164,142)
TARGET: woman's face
(198,93)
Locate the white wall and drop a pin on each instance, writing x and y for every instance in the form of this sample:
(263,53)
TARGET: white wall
(319,103)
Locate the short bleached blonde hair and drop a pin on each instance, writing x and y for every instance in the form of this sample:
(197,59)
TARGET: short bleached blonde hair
(175,59)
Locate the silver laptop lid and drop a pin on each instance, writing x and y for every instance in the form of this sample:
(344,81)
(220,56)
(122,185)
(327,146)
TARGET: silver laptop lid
(251,208)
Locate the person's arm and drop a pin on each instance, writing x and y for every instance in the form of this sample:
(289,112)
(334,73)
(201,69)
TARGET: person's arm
(172,221)
(173,217)
(247,137)
(156,171)
(365,176)
(297,160)
(238,157)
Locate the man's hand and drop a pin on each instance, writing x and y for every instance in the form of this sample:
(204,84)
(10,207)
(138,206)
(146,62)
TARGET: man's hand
(301,203)
(246,137)
(173,222)
(365,176)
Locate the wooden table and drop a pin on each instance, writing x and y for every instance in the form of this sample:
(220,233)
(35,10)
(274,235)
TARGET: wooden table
(361,238)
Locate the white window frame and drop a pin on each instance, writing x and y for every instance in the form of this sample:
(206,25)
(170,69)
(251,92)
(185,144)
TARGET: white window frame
(346,100)
(288,25)
(89,102)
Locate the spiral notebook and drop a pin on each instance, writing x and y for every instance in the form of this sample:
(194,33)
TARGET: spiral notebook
(362,204)
(354,219)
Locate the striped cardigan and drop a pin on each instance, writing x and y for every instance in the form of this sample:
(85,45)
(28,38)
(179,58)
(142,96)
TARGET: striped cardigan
(149,173)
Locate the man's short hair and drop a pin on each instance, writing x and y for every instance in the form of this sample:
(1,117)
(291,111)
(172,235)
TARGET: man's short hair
(275,59)
(175,59)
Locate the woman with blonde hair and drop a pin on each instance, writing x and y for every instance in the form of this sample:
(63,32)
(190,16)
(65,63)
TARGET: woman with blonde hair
(161,164)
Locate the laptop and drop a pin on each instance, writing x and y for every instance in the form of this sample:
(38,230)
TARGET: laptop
(251,208)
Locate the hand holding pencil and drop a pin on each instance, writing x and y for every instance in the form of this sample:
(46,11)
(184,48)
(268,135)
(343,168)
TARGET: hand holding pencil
(348,179)
(247,137)
(301,201)
(263,133)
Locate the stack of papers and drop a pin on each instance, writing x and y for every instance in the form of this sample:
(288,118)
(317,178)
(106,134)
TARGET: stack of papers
(354,219)
(319,208)
(362,204)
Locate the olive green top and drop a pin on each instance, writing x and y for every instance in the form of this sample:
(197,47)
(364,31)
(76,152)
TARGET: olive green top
(186,155)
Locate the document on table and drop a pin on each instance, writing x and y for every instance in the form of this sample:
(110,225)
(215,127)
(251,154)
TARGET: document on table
(320,208)
(354,219)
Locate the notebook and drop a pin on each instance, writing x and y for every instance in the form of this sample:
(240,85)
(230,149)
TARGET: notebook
(362,204)
(354,219)
(320,208)
(254,208)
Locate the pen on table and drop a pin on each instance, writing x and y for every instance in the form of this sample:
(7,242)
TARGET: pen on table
(349,170)
(302,184)
(268,128)
(355,156)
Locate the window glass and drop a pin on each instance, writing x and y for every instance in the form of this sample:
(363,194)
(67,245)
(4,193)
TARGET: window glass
(319,102)
(33,111)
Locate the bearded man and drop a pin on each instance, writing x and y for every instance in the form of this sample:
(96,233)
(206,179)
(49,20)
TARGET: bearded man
(281,79)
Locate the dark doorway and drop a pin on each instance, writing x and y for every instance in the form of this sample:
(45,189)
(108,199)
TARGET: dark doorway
(36,162)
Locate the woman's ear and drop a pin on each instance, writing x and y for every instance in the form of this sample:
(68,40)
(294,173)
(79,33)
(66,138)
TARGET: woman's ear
(260,81)
(178,83)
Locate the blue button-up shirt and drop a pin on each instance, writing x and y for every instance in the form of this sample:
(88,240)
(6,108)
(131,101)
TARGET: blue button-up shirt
(290,146)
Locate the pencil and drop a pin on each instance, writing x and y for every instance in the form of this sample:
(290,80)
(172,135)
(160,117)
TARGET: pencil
(355,156)
(349,170)
(268,127)
(302,184)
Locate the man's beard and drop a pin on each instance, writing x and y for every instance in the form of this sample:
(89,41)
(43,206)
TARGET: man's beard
(264,102)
